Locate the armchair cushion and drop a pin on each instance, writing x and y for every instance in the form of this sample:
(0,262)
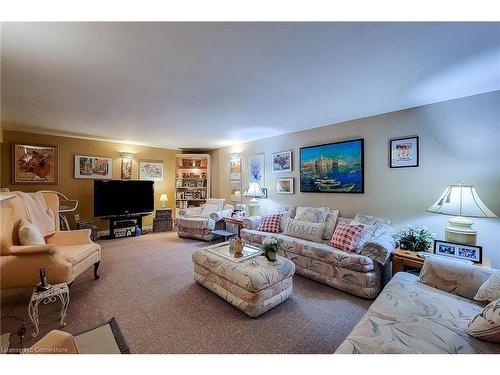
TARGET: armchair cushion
(29,234)
(72,237)
(76,253)
(252,222)
(32,249)
(209,209)
(490,290)
(190,212)
(218,201)
(453,276)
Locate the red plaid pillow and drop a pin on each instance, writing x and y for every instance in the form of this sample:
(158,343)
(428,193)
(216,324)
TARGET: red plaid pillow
(271,223)
(345,237)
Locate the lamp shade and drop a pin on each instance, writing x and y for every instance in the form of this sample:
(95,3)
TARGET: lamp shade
(254,191)
(461,200)
(163,198)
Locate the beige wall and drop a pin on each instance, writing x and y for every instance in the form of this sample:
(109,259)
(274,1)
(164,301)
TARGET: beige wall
(82,189)
(459,139)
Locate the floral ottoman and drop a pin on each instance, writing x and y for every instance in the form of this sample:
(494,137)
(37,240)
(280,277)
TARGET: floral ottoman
(254,285)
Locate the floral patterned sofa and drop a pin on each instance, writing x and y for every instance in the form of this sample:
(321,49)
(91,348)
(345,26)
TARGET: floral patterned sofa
(360,273)
(199,222)
(426,315)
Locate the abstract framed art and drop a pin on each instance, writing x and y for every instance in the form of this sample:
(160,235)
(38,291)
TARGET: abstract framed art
(256,171)
(282,161)
(151,171)
(333,168)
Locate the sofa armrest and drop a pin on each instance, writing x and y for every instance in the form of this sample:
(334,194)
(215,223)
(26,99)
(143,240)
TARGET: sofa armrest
(71,237)
(379,249)
(452,276)
(54,342)
(32,249)
(219,215)
(252,222)
(191,211)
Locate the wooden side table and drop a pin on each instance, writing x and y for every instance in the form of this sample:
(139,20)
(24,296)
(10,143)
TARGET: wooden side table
(238,221)
(404,259)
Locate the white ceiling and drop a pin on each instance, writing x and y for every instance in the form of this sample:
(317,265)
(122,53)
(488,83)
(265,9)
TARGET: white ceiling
(206,85)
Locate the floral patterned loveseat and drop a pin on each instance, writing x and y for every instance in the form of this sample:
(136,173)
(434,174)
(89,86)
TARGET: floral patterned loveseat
(424,315)
(356,273)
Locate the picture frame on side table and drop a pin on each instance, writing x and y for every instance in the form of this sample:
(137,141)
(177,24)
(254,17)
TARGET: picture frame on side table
(459,251)
(285,185)
(403,152)
(282,161)
(93,167)
(34,164)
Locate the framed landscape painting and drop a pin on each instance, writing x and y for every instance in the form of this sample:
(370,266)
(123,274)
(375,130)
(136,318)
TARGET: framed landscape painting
(284,185)
(34,164)
(333,168)
(93,167)
(256,168)
(151,171)
(282,161)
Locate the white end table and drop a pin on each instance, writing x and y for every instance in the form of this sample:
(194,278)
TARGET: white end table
(45,297)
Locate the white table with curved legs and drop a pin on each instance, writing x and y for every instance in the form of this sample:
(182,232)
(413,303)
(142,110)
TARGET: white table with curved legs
(58,291)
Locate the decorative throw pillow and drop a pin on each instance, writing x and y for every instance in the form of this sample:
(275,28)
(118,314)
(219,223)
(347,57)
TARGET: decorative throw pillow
(270,223)
(486,325)
(29,234)
(346,236)
(218,201)
(312,214)
(366,234)
(209,209)
(490,290)
(305,230)
(331,220)
(382,224)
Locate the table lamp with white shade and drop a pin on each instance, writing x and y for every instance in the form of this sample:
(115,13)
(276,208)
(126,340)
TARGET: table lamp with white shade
(462,202)
(254,190)
(163,200)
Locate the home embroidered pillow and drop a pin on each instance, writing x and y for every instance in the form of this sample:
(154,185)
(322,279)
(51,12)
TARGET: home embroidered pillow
(486,325)
(29,234)
(305,230)
(490,290)
(346,236)
(270,223)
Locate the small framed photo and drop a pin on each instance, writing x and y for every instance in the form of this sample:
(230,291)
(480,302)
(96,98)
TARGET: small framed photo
(282,161)
(403,152)
(456,250)
(284,185)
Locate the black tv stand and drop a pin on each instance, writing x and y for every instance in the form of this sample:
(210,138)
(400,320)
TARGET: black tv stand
(123,221)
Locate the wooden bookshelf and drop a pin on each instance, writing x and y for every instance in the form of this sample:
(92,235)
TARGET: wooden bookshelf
(192,180)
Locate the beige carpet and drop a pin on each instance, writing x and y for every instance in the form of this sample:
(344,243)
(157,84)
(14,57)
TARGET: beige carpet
(147,285)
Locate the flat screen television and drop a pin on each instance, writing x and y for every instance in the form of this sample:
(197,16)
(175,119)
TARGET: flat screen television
(120,198)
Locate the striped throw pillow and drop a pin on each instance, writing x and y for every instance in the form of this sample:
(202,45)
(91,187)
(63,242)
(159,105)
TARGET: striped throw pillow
(345,237)
(270,223)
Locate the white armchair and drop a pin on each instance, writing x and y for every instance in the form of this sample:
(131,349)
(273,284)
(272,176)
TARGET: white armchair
(199,222)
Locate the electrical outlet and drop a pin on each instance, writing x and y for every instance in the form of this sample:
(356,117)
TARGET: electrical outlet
(77,217)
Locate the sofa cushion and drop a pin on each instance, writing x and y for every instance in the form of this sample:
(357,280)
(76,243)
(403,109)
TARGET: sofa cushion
(486,325)
(306,230)
(331,221)
(346,236)
(29,234)
(411,317)
(76,253)
(490,290)
(365,235)
(312,214)
(322,252)
(382,224)
(270,223)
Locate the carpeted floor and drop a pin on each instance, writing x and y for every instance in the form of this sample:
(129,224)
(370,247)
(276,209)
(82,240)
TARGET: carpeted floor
(147,285)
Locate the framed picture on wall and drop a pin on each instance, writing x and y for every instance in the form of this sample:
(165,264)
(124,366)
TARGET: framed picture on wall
(256,171)
(284,185)
(126,169)
(34,164)
(151,171)
(282,161)
(235,191)
(333,168)
(94,167)
(403,152)
(459,251)
(235,166)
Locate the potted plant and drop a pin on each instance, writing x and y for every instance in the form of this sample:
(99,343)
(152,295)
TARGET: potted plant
(270,248)
(415,238)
